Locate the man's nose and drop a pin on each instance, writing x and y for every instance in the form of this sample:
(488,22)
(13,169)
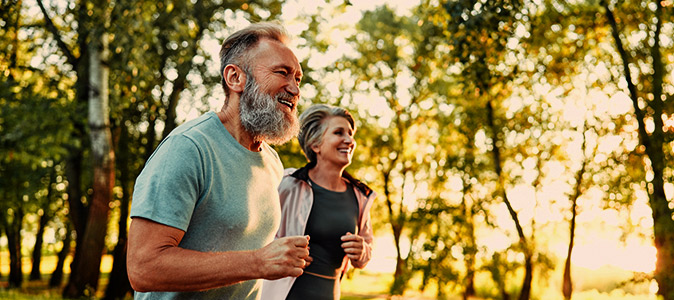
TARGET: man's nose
(293,88)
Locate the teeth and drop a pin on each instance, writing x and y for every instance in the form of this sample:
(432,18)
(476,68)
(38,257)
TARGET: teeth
(288,103)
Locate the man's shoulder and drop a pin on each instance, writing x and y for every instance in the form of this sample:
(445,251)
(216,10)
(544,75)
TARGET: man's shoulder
(194,126)
(204,130)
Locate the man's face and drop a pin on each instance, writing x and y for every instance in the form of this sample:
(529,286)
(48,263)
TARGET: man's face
(262,117)
(269,100)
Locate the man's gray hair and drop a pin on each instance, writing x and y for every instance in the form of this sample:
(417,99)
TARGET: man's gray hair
(235,48)
(313,126)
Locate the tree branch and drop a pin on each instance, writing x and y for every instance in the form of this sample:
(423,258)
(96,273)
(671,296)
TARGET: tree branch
(57,36)
(645,138)
(658,71)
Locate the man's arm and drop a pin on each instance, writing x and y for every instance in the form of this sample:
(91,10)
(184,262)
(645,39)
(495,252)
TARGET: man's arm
(156,263)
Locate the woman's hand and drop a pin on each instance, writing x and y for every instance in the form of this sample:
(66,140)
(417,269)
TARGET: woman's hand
(353,246)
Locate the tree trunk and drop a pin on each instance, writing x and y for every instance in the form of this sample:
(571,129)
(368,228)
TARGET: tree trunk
(528,253)
(497,276)
(399,276)
(663,225)
(567,285)
(35,273)
(77,213)
(13,232)
(469,254)
(118,284)
(37,249)
(469,247)
(88,266)
(57,276)
(203,15)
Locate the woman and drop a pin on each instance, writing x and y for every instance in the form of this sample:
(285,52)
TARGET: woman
(323,201)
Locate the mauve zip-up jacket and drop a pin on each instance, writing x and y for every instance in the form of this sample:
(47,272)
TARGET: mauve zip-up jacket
(296,200)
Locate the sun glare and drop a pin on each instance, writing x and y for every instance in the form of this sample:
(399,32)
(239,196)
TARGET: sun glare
(632,256)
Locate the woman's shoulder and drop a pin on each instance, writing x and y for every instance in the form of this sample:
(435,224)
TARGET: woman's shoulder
(288,171)
(359,185)
(290,179)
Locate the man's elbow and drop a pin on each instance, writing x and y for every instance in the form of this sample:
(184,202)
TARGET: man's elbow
(139,276)
(137,279)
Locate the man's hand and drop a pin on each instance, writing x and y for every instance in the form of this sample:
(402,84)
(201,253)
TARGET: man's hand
(284,257)
(353,246)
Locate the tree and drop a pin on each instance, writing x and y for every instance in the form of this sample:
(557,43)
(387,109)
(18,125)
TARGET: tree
(649,106)
(462,186)
(87,270)
(29,142)
(400,124)
(76,56)
(627,38)
(479,35)
(47,203)
(56,277)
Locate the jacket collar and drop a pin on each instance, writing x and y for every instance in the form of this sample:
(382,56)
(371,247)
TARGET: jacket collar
(303,174)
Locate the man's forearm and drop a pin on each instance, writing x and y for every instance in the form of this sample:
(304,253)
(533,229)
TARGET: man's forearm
(176,269)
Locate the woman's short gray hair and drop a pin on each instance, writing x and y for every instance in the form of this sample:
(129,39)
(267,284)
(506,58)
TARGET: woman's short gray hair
(236,46)
(312,126)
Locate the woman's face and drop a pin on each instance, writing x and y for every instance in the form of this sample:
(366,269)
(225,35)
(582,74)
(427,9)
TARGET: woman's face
(337,143)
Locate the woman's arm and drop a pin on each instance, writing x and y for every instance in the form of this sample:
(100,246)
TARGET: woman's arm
(357,249)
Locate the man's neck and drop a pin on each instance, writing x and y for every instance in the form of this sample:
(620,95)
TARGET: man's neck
(229,116)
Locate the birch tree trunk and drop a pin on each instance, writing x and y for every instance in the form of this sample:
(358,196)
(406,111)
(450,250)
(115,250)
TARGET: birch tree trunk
(85,282)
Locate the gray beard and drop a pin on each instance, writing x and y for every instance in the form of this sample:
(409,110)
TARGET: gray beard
(262,119)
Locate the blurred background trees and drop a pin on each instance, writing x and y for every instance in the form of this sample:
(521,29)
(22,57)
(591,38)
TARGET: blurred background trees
(488,128)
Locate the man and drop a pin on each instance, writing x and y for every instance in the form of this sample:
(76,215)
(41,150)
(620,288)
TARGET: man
(205,207)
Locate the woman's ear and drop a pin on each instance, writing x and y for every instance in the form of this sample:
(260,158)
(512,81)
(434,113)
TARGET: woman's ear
(235,78)
(316,147)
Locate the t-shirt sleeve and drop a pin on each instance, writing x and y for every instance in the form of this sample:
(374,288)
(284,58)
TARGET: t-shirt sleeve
(170,185)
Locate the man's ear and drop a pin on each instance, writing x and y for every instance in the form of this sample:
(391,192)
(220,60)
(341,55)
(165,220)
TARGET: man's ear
(235,78)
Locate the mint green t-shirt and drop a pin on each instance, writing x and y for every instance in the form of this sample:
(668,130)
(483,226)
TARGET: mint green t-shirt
(224,196)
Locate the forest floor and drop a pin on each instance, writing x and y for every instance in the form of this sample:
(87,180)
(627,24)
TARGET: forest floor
(600,284)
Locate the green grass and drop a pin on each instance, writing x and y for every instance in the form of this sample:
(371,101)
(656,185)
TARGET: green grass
(16,295)
(30,289)
(599,284)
